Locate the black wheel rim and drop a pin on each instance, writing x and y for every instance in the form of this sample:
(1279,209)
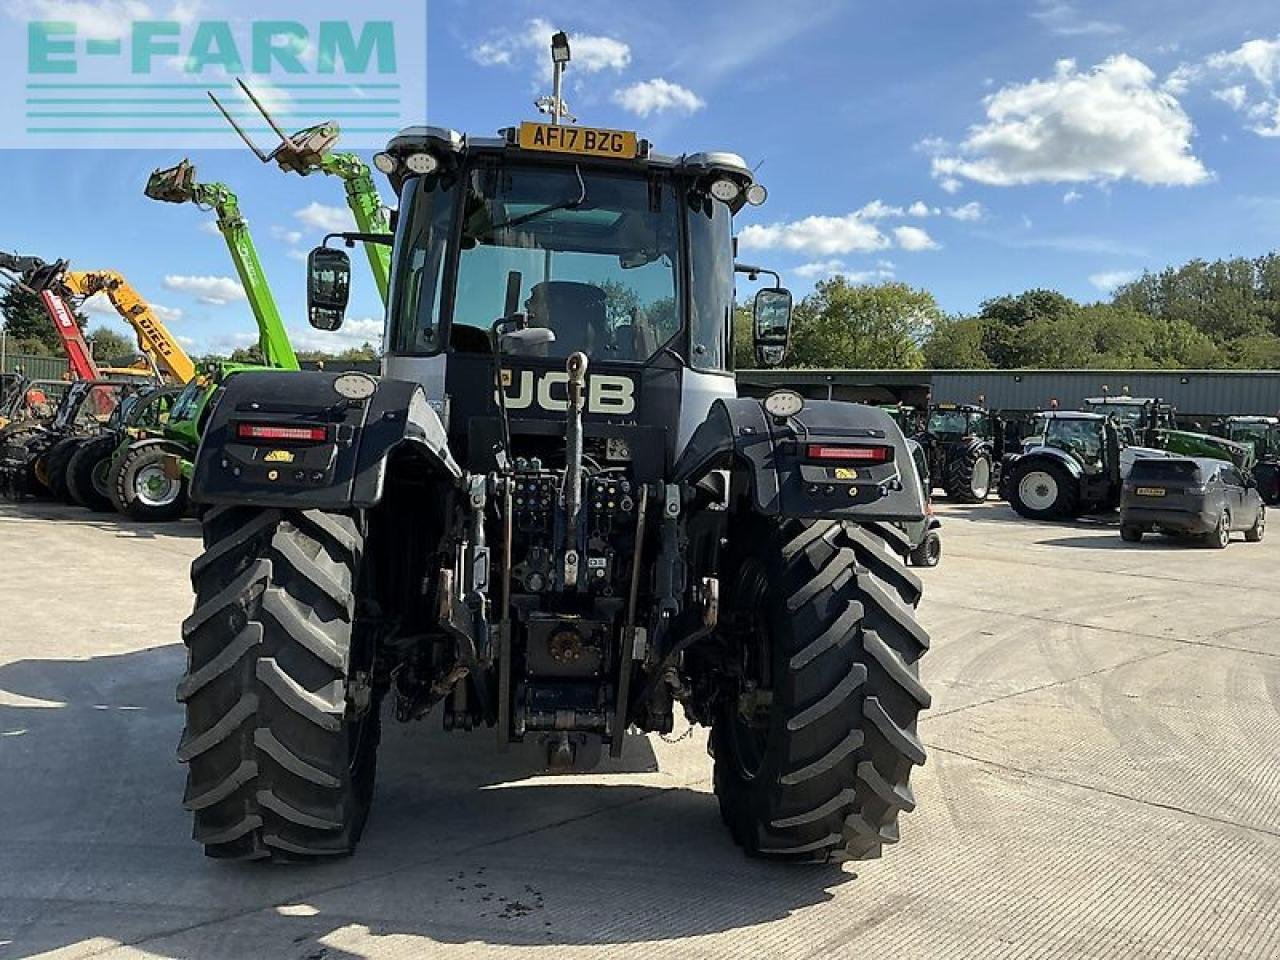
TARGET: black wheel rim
(749,734)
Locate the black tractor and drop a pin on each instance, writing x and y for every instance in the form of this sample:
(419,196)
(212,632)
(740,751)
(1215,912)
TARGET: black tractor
(964,446)
(552,517)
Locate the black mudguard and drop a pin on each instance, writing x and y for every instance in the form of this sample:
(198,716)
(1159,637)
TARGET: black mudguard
(738,434)
(1055,456)
(345,470)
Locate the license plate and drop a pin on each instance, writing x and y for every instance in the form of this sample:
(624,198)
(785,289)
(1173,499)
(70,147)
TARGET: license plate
(591,141)
(1150,491)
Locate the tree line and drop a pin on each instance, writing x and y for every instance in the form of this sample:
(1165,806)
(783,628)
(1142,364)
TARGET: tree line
(1224,314)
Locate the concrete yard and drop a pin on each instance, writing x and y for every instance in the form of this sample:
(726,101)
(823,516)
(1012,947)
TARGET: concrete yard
(1103,781)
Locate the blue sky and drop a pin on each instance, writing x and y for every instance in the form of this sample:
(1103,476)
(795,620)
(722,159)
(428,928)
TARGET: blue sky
(970,147)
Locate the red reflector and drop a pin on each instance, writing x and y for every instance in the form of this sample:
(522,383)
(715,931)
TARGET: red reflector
(822,451)
(266,431)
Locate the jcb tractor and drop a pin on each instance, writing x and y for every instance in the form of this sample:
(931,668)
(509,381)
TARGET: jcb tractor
(964,444)
(552,518)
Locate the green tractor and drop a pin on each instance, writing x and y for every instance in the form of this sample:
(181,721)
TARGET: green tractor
(964,444)
(1150,422)
(1262,435)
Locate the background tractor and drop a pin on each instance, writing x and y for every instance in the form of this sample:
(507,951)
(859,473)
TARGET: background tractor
(964,446)
(1262,436)
(552,517)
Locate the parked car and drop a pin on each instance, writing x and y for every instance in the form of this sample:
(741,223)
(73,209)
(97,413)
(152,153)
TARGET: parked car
(924,535)
(1191,496)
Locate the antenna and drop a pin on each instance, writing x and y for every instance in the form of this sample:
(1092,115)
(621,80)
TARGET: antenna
(243,136)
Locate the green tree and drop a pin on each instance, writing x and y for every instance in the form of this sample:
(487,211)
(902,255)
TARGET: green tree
(855,326)
(27,322)
(109,346)
(955,343)
(744,350)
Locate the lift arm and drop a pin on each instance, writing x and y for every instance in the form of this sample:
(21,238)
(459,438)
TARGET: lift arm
(311,150)
(179,185)
(43,279)
(154,338)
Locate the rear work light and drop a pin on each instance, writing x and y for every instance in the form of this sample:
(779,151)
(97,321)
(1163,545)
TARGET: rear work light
(842,454)
(276,433)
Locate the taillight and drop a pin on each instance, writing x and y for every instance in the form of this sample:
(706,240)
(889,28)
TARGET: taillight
(845,454)
(277,433)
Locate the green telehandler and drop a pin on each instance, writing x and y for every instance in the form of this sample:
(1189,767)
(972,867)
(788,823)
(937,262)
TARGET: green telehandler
(309,151)
(150,475)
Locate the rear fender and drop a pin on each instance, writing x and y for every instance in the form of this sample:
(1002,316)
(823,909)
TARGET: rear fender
(1055,457)
(348,469)
(781,482)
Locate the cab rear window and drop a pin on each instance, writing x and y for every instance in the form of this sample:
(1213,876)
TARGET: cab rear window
(1167,470)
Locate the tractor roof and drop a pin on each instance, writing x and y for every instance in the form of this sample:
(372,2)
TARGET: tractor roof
(1122,401)
(1269,421)
(959,407)
(1070,415)
(443,142)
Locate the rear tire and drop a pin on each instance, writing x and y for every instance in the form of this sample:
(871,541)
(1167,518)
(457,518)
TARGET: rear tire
(968,479)
(1255,533)
(280,761)
(53,470)
(1220,536)
(822,771)
(1043,491)
(1131,534)
(86,473)
(928,553)
(142,492)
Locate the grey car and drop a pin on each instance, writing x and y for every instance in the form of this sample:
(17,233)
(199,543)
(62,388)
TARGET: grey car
(1190,496)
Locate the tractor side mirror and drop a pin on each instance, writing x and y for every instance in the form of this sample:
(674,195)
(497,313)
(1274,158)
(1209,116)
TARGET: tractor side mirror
(771,325)
(328,287)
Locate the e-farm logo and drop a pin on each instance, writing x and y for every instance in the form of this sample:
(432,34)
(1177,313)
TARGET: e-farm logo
(93,77)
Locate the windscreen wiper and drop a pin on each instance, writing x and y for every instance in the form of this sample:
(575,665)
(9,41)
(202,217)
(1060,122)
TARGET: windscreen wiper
(551,208)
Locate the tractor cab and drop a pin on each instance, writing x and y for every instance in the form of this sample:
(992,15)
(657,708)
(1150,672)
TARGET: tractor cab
(1137,417)
(548,241)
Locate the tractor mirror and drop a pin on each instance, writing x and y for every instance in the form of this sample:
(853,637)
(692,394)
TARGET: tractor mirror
(328,287)
(771,315)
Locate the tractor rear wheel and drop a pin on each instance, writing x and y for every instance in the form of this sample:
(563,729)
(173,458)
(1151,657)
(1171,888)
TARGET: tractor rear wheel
(143,491)
(1042,490)
(968,478)
(87,473)
(52,470)
(815,737)
(282,725)
(928,553)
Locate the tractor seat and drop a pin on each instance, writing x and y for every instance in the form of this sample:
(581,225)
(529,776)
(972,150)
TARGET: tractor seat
(575,311)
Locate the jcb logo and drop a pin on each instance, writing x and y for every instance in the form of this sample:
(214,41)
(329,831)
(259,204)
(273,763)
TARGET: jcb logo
(609,395)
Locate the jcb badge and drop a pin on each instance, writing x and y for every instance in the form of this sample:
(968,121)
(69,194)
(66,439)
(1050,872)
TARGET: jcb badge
(279,456)
(606,394)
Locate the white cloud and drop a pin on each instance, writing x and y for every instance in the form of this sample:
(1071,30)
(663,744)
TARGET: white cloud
(354,333)
(913,239)
(296,254)
(922,209)
(879,210)
(1108,280)
(215,291)
(100,20)
(657,96)
(210,227)
(329,219)
(1257,64)
(1064,20)
(819,236)
(1108,123)
(968,213)
(950,184)
(291,237)
(531,47)
(166,314)
(99,305)
(1235,97)
(1071,196)
(819,268)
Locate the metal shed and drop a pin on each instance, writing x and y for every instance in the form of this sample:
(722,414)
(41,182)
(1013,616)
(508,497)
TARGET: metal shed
(1195,393)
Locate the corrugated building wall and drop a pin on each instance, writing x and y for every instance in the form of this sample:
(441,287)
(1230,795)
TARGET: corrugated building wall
(1195,393)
